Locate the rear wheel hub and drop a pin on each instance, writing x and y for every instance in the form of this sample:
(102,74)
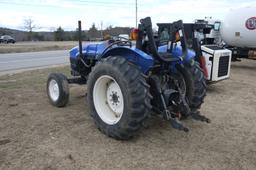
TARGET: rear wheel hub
(108,99)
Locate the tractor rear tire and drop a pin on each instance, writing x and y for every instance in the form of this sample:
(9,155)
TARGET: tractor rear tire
(57,89)
(118,97)
(195,84)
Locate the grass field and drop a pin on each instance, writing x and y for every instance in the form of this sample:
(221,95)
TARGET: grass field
(37,46)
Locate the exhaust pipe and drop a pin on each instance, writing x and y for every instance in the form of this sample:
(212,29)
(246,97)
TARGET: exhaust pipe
(80,39)
(80,45)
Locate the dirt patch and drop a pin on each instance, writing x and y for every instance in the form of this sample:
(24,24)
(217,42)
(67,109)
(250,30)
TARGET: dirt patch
(20,47)
(41,136)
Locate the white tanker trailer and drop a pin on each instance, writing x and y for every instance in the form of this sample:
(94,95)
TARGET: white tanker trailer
(239,28)
(238,32)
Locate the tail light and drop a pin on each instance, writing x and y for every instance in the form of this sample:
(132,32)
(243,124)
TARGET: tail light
(203,66)
(134,34)
(177,37)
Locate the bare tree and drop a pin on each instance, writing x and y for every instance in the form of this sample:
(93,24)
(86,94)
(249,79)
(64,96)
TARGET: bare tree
(29,26)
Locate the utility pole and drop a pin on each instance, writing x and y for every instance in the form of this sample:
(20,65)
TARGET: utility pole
(101,29)
(136,13)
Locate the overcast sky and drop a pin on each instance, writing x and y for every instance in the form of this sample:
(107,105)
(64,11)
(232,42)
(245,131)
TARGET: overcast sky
(50,14)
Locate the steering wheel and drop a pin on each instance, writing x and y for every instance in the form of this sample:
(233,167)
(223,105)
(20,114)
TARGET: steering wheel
(113,41)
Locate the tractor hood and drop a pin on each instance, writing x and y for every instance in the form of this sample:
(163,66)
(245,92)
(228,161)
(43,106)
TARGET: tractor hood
(97,48)
(94,49)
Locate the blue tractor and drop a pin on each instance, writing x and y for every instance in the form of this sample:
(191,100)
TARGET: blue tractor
(126,82)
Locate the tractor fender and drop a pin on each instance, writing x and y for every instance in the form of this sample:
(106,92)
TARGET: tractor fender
(136,56)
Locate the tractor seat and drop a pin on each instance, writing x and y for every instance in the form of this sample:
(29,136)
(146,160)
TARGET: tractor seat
(169,57)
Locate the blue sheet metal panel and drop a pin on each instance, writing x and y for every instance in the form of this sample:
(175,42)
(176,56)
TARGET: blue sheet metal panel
(136,56)
(92,49)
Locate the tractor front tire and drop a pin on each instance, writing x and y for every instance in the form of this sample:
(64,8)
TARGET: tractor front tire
(118,97)
(57,89)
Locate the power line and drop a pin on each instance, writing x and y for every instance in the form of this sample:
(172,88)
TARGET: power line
(103,2)
(97,3)
(136,13)
(81,2)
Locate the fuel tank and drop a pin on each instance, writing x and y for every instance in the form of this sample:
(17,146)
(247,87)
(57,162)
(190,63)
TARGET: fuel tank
(239,28)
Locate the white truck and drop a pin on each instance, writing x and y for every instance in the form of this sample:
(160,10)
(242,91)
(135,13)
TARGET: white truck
(214,60)
(220,41)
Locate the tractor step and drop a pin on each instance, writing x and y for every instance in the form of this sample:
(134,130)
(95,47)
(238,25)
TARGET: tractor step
(198,116)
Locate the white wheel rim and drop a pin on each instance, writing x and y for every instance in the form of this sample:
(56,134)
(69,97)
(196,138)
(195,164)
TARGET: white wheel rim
(54,90)
(108,99)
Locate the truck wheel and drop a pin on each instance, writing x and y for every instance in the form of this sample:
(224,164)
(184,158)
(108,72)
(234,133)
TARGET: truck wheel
(195,84)
(118,97)
(57,89)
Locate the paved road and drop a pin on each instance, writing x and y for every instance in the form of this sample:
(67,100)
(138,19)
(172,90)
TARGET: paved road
(20,61)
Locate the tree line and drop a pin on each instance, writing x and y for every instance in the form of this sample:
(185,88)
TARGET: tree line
(92,34)
(60,34)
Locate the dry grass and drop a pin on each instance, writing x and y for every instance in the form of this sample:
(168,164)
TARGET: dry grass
(20,47)
(36,135)
(23,80)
